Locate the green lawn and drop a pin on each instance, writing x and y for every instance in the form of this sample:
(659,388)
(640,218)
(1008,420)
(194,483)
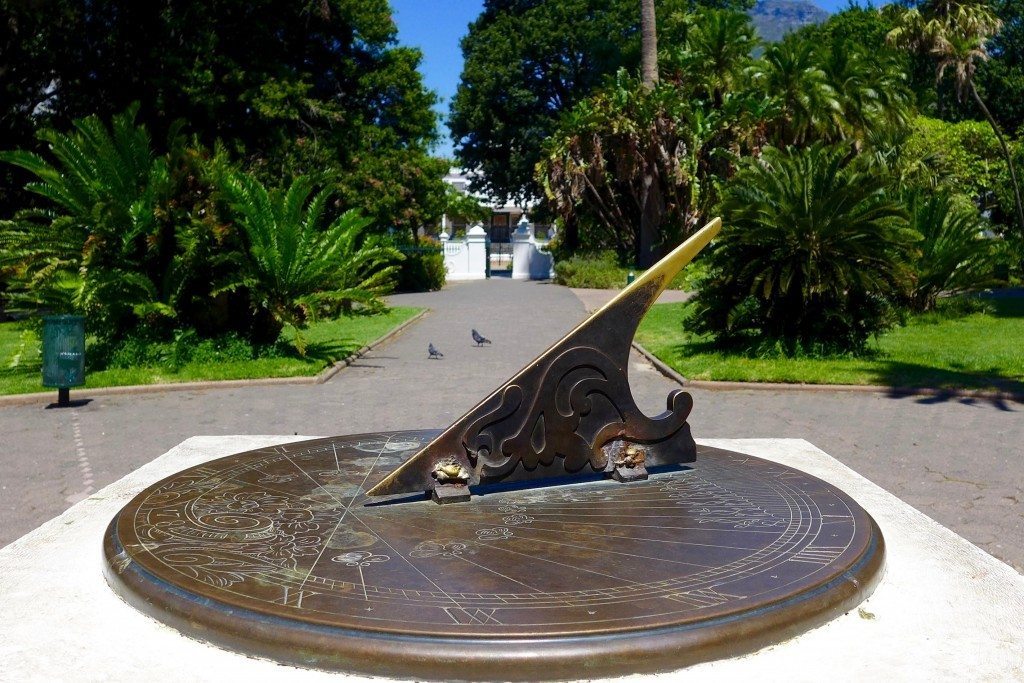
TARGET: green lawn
(329,341)
(980,350)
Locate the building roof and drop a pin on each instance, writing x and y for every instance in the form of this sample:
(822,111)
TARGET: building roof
(461,180)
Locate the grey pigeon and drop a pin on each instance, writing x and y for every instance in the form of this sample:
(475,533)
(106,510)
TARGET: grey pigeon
(433,352)
(479,338)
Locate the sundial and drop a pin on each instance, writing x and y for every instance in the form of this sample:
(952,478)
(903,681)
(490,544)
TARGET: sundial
(583,538)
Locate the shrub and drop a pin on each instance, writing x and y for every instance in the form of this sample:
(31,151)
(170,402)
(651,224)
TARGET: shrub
(813,253)
(144,349)
(423,268)
(595,271)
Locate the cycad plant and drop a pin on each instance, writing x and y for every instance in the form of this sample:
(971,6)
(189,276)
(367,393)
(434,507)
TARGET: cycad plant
(86,246)
(954,255)
(293,266)
(812,255)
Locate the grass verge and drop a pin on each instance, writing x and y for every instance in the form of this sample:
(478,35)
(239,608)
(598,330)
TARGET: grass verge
(329,341)
(975,351)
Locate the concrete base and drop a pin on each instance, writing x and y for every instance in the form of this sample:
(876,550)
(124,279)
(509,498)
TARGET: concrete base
(945,609)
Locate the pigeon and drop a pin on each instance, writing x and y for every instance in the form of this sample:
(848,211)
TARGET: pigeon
(479,338)
(433,352)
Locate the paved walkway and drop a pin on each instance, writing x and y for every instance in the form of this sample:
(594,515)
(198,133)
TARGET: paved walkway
(959,461)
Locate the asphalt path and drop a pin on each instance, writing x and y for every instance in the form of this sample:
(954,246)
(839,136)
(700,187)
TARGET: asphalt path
(958,460)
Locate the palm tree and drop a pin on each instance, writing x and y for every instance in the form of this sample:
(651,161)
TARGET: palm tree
(955,33)
(870,90)
(813,252)
(293,267)
(790,71)
(718,47)
(648,44)
(652,204)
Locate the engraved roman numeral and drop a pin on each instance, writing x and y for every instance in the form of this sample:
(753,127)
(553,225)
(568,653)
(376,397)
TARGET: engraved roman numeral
(294,598)
(704,597)
(817,555)
(466,617)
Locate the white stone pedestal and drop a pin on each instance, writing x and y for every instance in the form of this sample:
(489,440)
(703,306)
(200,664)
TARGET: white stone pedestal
(945,610)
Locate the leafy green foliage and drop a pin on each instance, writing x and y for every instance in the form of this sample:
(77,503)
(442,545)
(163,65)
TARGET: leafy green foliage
(630,157)
(402,190)
(143,349)
(812,253)
(714,54)
(294,268)
(953,255)
(961,157)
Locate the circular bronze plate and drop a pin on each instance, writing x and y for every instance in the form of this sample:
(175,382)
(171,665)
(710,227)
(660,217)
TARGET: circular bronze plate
(277,552)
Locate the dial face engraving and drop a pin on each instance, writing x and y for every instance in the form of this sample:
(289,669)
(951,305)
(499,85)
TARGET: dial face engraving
(284,537)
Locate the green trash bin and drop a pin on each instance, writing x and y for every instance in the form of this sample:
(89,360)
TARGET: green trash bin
(63,354)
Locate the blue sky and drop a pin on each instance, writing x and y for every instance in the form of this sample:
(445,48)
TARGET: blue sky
(435,26)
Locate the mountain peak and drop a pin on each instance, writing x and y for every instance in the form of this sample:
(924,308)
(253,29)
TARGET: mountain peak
(775,18)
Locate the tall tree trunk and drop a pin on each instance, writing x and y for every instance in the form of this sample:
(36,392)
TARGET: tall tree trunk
(650,209)
(1006,154)
(648,44)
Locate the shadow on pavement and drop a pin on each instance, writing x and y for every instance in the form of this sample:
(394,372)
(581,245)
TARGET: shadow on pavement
(77,403)
(903,377)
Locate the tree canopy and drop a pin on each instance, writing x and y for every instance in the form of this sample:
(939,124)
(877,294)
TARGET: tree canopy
(527,62)
(288,87)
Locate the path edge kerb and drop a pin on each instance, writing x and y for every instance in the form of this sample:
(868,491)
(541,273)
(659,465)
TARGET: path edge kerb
(667,371)
(323,376)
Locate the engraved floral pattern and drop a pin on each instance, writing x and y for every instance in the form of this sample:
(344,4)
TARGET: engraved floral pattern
(441,549)
(515,520)
(359,558)
(497,534)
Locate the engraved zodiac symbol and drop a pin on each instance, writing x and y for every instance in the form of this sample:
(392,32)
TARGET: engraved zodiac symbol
(359,558)
(497,534)
(276,478)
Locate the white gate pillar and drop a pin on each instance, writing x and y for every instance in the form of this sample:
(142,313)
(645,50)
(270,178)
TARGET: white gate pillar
(476,245)
(522,250)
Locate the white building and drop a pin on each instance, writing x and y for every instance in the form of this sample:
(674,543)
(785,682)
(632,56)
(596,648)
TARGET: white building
(503,218)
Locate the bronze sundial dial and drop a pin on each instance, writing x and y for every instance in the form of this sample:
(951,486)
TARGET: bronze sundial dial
(586,539)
